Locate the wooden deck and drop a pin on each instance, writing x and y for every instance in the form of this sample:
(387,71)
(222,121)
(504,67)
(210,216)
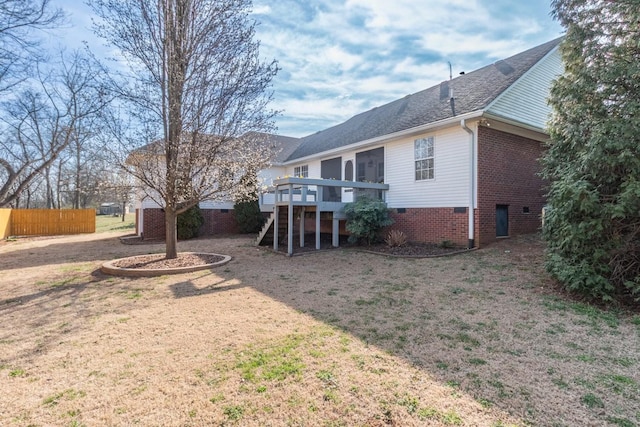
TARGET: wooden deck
(299,196)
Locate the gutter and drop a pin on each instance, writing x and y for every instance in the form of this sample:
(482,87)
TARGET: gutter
(472,183)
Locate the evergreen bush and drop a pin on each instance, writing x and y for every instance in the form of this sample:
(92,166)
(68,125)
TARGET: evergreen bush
(366,217)
(248,216)
(593,159)
(189,223)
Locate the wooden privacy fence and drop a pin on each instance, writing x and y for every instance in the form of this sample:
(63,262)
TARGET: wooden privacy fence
(47,222)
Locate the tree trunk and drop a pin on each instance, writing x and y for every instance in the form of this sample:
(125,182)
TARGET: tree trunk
(124,205)
(171,238)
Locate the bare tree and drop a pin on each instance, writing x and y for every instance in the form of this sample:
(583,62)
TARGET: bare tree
(196,86)
(42,121)
(118,185)
(18,47)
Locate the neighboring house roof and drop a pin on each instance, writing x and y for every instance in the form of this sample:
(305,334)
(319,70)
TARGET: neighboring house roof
(282,146)
(473,91)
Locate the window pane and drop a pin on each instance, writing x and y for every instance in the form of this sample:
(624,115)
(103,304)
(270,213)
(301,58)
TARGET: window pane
(424,158)
(420,151)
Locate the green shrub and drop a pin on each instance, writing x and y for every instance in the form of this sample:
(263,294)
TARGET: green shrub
(366,218)
(592,163)
(189,223)
(248,216)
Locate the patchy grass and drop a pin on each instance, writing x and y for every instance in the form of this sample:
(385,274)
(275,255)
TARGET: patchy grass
(330,339)
(108,223)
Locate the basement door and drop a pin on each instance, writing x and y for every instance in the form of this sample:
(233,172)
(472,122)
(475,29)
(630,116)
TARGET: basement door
(502,220)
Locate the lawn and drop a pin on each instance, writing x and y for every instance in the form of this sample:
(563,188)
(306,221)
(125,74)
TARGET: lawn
(330,339)
(107,223)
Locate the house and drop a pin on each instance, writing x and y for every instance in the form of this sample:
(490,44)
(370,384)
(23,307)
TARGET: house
(455,162)
(218,215)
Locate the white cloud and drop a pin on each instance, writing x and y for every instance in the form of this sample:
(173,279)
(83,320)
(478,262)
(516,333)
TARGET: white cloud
(264,9)
(343,57)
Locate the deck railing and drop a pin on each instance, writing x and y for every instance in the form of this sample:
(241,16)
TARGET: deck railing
(328,194)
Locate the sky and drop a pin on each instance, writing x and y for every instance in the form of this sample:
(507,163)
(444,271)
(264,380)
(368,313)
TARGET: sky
(339,58)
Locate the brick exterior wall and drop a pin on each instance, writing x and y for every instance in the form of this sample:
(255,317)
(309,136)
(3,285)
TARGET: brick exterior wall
(153,223)
(507,175)
(216,221)
(432,225)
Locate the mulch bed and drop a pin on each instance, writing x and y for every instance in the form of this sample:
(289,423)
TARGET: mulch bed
(158,261)
(412,249)
(416,250)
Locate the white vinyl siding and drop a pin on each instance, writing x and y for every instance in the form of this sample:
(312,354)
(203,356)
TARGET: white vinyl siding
(313,169)
(526,100)
(266,176)
(206,204)
(449,188)
(209,204)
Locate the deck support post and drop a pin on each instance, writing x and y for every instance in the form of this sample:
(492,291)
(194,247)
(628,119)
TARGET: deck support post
(290,222)
(302,227)
(275,227)
(317,227)
(335,241)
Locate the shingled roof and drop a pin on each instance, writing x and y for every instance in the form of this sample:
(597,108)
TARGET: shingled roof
(283,146)
(473,91)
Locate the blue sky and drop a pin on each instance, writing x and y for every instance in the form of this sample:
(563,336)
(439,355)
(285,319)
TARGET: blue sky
(343,57)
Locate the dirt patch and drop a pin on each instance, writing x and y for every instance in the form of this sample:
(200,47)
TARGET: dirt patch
(337,338)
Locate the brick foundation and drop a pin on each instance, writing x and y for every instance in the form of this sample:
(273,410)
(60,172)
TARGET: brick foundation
(216,221)
(153,223)
(432,225)
(508,169)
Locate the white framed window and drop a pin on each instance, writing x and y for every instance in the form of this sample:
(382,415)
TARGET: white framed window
(301,171)
(424,159)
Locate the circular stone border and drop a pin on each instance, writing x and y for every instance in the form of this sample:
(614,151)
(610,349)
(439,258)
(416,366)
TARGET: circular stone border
(109,267)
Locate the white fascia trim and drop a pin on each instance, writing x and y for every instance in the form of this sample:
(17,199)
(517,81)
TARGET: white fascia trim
(543,134)
(451,121)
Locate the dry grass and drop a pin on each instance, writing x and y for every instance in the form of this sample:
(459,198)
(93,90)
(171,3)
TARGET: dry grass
(330,339)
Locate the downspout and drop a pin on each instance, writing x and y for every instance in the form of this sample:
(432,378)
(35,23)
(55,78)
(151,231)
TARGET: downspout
(472,184)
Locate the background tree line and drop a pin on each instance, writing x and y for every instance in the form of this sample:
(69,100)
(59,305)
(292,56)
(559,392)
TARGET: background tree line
(52,117)
(189,79)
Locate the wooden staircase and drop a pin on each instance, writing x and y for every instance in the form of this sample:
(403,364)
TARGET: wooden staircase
(265,237)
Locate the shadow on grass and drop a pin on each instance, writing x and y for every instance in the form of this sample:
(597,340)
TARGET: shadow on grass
(64,249)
